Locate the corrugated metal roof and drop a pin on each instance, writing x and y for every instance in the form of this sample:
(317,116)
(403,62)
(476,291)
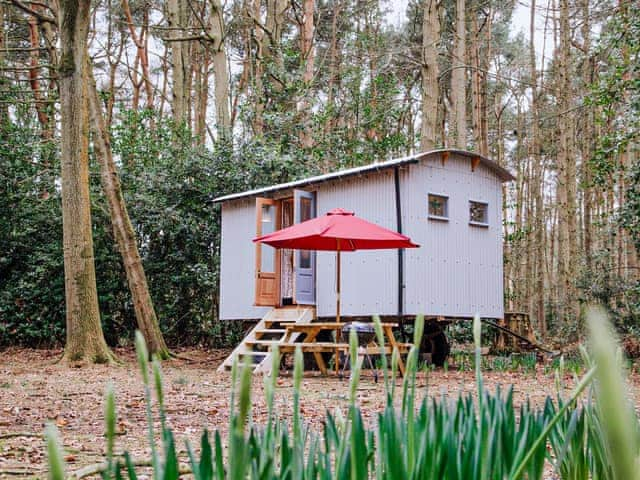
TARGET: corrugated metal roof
(500,172)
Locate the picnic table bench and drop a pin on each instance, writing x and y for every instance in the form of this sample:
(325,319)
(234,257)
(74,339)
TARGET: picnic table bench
(310,345)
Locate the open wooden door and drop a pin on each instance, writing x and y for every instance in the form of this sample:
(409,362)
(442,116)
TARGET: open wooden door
(267,258)
(304,208)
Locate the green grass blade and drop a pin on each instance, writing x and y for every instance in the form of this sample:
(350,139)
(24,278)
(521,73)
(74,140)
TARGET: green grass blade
(54,453)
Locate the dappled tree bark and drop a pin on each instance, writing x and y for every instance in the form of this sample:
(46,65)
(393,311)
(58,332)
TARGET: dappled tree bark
(628,159)
(46,127)
(85,340)
(142,54)
(458,127)
(216,30)
(257,61)
(266,55)
(201,92)
(165,83)
(243,82)
(478,94)
(430,73)
(114,56)
(334,67)
(4,107)
(566,183)
(123,230)
(308,61)
(538,217)
(178,21)
(274,26)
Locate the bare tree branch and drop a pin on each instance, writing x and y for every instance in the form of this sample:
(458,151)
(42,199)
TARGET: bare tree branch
(43,18)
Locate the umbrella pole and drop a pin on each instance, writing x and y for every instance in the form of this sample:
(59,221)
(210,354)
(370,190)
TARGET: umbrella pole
(338,283)
(337,355)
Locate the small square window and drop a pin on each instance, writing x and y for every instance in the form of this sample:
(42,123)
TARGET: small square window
(478,213)
(438,207)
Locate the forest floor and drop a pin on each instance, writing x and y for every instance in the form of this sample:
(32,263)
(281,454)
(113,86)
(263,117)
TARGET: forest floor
(35,389)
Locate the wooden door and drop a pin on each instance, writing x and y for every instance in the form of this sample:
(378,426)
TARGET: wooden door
(267,292)
(304,208)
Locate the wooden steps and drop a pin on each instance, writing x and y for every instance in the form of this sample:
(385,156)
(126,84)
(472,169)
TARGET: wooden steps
(266,343)
(316,347)
(271,322)
(271,330)
(291,346)
(267,332)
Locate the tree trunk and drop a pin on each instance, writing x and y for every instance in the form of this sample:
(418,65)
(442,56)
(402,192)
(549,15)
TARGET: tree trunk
(220,71)
(430,73)
(178,19)
(253,12)
(114,62)
(275,26)
(123,230)
(475,82)
(567,231)
(308,60)
(142,59)
(85,340)
(334,63)
(458,125)
(478,84)
(4,107)
(46,130)
(627,158)
(201,90)
(263,41)
(588,136)
(537,193)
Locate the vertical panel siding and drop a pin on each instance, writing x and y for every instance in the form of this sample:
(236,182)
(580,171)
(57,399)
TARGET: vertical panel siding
(237,261)
(369,278)
(458,270)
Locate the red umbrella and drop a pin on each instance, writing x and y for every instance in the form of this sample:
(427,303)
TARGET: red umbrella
(339,231)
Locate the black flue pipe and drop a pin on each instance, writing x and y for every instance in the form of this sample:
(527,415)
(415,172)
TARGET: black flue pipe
(396,178)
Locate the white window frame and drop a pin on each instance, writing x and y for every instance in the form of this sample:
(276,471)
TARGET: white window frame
(474,223)
(440,218)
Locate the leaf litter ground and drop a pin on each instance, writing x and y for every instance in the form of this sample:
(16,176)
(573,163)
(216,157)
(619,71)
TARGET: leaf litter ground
(35,389)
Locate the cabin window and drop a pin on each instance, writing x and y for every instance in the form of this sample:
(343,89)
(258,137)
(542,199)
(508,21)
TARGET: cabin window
(438,207)
(478,213)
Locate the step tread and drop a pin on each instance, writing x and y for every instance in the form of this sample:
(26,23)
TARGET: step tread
(241,365)
(262,342)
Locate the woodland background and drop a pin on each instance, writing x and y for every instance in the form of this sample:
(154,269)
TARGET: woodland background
(199,99)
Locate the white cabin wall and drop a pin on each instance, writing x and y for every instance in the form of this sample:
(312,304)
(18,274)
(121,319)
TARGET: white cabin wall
(458,269)
(238,261)
(369,277)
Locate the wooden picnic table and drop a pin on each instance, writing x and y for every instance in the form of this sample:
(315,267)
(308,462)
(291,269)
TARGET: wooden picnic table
(313,329)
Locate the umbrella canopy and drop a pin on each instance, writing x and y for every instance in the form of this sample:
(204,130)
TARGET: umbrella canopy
(338,230)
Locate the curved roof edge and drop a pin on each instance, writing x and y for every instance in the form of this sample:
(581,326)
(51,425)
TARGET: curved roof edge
(499,171)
